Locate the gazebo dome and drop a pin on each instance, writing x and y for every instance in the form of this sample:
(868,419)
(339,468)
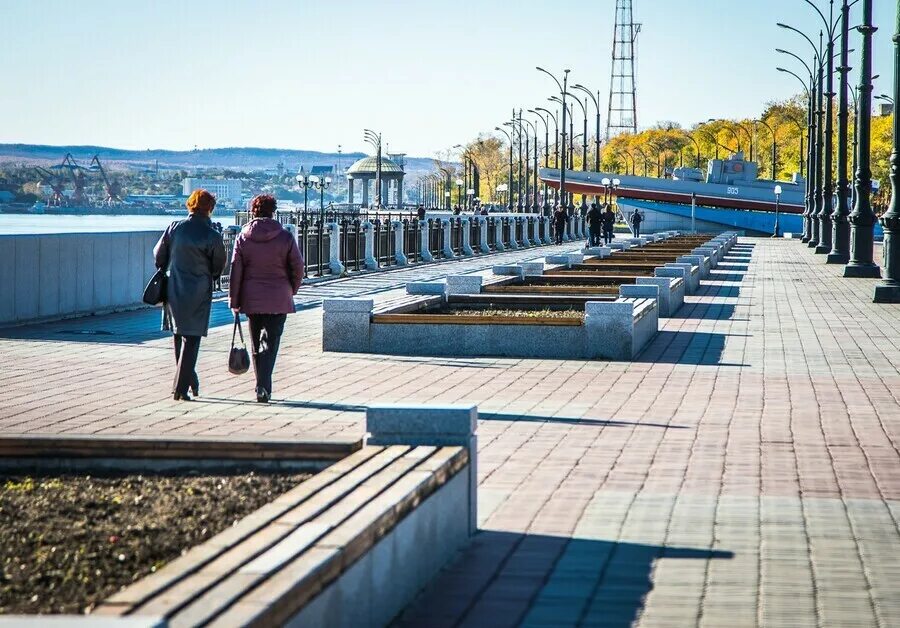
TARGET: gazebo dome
(368,165)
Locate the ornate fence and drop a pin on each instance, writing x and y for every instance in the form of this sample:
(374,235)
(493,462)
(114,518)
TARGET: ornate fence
(338,242)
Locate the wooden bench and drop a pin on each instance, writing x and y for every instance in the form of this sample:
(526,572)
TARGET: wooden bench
(281,562)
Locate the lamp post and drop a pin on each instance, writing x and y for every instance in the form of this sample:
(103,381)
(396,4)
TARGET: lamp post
(459,188)
(534,188)
(812,125)
(552,115)
(374,139)
(596,100)
(545,203)
(303,180)
(819,153)
(824,215)
(840,221)
(777,232)
(862,218)
(888,291)
(514,125)
(321,184)
(774,148)
(696,144)
(562,92)
(510,185)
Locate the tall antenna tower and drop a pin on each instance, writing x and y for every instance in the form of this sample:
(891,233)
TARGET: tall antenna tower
(622,114)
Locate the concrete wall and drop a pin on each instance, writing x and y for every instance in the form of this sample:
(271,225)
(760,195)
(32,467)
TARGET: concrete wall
(55,276)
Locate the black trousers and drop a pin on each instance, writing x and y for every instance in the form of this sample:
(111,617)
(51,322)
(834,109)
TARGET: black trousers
(187,348)
(607,236)
(594,237)
(265,336)
(559,232)
(637,230)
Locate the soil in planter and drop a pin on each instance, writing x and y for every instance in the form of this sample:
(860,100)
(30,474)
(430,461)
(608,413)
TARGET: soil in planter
(542,313)
(71,541)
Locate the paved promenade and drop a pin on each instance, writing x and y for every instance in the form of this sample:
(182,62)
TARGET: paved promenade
(744,471)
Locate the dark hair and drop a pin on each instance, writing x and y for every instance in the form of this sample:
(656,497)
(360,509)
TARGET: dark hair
(263,206)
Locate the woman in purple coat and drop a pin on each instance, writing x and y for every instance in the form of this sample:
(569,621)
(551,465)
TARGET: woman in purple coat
(266,272)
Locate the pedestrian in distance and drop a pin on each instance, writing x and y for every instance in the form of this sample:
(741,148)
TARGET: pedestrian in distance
(560,219)
(609,223)
(636,220)
(420,212)
(595,225)
(266,272)
(192,254)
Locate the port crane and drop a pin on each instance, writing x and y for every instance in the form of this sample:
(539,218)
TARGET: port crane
(58,198)
(113,188)
(76,173)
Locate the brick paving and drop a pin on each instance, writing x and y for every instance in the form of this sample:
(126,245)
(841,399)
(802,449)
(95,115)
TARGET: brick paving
(744,471)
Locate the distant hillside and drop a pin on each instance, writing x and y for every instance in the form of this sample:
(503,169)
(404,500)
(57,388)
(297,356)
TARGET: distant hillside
(237,158)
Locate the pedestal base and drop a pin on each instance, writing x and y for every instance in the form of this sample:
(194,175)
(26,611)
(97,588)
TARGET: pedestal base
(822,250)
(812,244)
(804,239)
(887,293)
(837,258)
(864,271)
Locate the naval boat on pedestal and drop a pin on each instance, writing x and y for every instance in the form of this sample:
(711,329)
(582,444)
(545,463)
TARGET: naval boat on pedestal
(730,194)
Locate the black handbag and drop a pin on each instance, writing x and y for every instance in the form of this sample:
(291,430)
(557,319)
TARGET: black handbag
(238,357)
(155,292)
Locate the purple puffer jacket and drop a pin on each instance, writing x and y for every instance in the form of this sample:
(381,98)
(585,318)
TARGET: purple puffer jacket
(266,269)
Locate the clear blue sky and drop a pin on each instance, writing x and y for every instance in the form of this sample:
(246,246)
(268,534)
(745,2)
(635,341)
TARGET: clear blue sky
(312,74)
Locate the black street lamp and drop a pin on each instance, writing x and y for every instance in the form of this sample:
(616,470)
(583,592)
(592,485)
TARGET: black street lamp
(749,138)
(510,184)
(303,180)
(774,148)
(596,100)
(696,145)
(820,156)
(514,125)
(812,125)
(534,188)
(562,92)
(888,291)
(885,98)
(862,218)
(840,219)
(321,184)
(546,206)
(824,215)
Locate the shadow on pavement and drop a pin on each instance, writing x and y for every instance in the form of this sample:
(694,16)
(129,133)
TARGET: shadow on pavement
(688,347)
(134,327)
(493,416)
(708,311)
(510,579)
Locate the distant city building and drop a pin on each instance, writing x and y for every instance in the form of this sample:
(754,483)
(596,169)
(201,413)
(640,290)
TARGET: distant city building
(226,191)
(885,108)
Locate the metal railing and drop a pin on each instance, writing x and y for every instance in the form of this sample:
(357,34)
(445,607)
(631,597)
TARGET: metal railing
(355,230)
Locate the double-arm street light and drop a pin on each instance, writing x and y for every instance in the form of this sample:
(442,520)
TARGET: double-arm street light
(696,145)
(514,125)
(304,181)
(321,184)
(510,184)
(562,92)
(374,139)
(885,98)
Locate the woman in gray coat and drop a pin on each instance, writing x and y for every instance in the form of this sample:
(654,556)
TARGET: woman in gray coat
(193,255)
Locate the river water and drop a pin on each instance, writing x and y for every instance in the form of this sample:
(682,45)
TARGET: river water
(16,224)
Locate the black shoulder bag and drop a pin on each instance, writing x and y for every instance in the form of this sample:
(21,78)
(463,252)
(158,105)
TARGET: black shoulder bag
(238,357)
